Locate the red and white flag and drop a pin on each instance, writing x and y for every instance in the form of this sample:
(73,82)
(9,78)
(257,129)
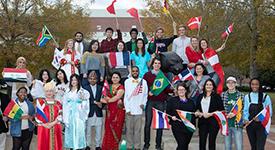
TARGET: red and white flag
(159,120)
(194,23)
(106,88)
(227,31)
(222,120)
(15,75)
(138,89)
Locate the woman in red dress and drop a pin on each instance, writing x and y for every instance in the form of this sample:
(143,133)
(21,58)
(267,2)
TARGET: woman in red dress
(115,114)
(49,130)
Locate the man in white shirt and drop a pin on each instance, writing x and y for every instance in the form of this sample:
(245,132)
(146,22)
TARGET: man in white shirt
(180,44)
(135,98)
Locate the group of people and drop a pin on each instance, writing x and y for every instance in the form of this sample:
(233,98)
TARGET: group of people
(64,110)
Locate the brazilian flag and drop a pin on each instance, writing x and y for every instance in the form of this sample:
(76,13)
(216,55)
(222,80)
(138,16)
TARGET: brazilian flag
(160,83)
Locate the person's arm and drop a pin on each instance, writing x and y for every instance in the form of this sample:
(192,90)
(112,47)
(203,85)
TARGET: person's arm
(119,35)
(144,37)
(145,92)
(126,96)
(174,28)
(246,108)
(220,48)
(117,97)
(174,46)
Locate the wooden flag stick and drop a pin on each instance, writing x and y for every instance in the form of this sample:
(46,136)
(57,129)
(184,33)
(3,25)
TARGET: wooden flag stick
(141,26)
(172,18)
(198,35)
(226,39)
(51,35)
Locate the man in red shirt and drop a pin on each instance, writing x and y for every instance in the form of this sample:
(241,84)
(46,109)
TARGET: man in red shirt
(109,44)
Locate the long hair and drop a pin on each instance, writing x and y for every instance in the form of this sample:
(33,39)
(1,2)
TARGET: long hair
(78,82)
(200,44)
(64,74)
(124,46)
(41,74)
(117,73)
(143,47)
(66,45)
(92,43)
(214,87)
(260,91)
(203,67)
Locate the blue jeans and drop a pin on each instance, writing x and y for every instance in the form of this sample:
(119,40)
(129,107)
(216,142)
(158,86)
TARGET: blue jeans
(238,138)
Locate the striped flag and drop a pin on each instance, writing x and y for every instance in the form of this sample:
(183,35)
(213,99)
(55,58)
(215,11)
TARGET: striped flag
(40,114)
(13,110)
(265,119)
(184,75)
(227,31)
(43,37)
(222,120)
(186,119)
(160,120)
(106,88)
(138,89)
(237,109)
(165,7)
(194,23)
(15,75)
(119,59)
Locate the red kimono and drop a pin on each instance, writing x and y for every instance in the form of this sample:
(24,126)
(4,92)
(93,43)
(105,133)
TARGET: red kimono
(113,123)
(49,139)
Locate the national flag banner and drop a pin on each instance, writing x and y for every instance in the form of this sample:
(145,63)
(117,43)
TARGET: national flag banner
(106,88)
(138,89)
(13,110)
(237,109)
(57,57)
(186,119)
(40,114)
(185,75)
(134,13)
(222,120)
(118,59)
(265,119)
(175,79)
(15,75)
(43,37)
(111,8)
(194,23)
(160,83)
(165,7)
(159,120)
(228,30)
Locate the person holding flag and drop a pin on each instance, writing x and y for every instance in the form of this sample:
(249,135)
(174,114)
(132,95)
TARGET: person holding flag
(181,132)
(193,52)
(158,94)
(232,100)
(4,101)
(109,44)
(135,98)
(254,102)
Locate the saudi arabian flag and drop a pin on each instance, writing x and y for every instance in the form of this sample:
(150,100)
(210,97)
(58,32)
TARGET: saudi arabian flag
(160,83)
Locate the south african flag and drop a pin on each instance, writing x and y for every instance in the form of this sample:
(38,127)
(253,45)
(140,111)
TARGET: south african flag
(44,37)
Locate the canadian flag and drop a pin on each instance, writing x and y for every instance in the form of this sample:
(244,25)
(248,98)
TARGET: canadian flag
(227,31)
(194,23)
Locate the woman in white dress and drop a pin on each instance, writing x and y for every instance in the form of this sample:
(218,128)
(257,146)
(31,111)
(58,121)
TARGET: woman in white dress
(62,85)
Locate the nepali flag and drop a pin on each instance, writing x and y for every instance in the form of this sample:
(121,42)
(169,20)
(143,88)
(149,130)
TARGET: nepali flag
(184,75)
(106,88)
(265,119)
(15,75)
(119,59)
(40,114)
(160,120)
(194,23)
(222,121)
(227,31)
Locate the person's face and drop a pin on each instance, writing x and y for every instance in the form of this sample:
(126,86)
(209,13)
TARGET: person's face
(120,47)
(181,91)
(115,79)
(78,37)
(109,34)
(199,70)
(134,35)
(209,86)
(159,34)
(255,85)
(49,93)
(204,44)
(139,44)
(21,64)
(181,31)
(60,76)
(194,42)
(74,82)
(92,79)
(22,94)
(45,76)
(135,73)
(231,85)
(95,46)
(70,45)
(156,65)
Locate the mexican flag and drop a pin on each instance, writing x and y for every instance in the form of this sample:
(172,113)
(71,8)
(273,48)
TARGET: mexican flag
(160,83)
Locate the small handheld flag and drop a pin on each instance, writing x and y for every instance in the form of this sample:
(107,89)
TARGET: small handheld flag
(106,88)
(237,110)
(222,120)
(265,119)
(118,59)
(184,75)
(186,118)
(138,89)
(134,13)
(40,114)
(43,37)
(165,7)
(227,32)
(194,23)
(13,110)
(160,120)
(111,8)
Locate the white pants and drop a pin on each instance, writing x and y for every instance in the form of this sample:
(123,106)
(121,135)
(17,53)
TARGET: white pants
(2,141)
(97,123)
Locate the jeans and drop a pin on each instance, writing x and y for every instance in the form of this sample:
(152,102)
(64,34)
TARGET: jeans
(237,133)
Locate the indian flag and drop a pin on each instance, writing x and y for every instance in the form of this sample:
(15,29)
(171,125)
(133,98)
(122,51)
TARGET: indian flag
(13,110)
(222,120)
(186,118)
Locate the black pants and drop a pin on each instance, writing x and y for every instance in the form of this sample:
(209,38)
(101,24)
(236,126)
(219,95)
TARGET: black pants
(205,131)
(22,142)
(148,120)
(183,138)
(256,135)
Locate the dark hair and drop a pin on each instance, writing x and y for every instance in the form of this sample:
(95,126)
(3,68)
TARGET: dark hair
(64,74)
(92,71)
(183,84)
(214,87)
(78,32)
(203,67)
(260,91)
(154,59)
(182,26)
(92,43)
(135,67)
(124,46)
(41,74)
(21,89)
(200,44)
(133,30)
(194,37)
(143,48)
(117,73)
(109,29)
(159,28)
(78,80)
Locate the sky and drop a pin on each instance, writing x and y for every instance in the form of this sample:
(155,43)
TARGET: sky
(102,4)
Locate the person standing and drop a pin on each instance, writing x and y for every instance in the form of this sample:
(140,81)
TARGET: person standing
(62,85)
(135,98)
(131,45)
(109,44)
(80,45)
(193,52)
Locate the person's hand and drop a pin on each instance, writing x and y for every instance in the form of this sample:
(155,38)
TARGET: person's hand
(207,115)
(85,75)
(174,25)
(25,117)
(101,79)
(129,113)
(174,118)
(5,118)
(103,100)
(221,48)
(150,93)
(46,125)
(230,115)
(98,104)
(205,63)
(153,55)
(191,65)
(198,114)
(72,63)
(141,106)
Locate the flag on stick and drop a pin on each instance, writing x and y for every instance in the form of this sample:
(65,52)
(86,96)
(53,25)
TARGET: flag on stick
(111,8)
(159,120)
(227,32)
(222,120)
(194,23)
(43,37)
(160,83)
(13,110)
(186,119)
(106,88)
(237,109)
(134,13)
(265,119)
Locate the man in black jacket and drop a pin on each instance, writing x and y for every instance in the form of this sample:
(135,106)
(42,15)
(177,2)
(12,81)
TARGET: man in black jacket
(131,45)
(95,118)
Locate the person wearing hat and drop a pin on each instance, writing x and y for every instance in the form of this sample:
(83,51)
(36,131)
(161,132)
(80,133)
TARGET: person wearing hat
(235,124)
(131,45)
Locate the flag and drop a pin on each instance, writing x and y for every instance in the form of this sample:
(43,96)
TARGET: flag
(119,59)
(40,114)
(165,7)
(186,119)
(159,120)
(227,31)
(138,89)
(222,120)
(175,79)
(13,110)
(111,8)
(194,23)
(237,109)
(160,83)
(265,119)
(56,58)
(43,37)
(106,88)
(134,13)
(15,75)
(184,75)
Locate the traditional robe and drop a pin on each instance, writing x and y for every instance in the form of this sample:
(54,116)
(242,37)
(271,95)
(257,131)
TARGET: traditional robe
(65,61)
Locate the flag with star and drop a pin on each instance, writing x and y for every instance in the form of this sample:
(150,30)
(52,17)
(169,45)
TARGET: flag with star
(160,83)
